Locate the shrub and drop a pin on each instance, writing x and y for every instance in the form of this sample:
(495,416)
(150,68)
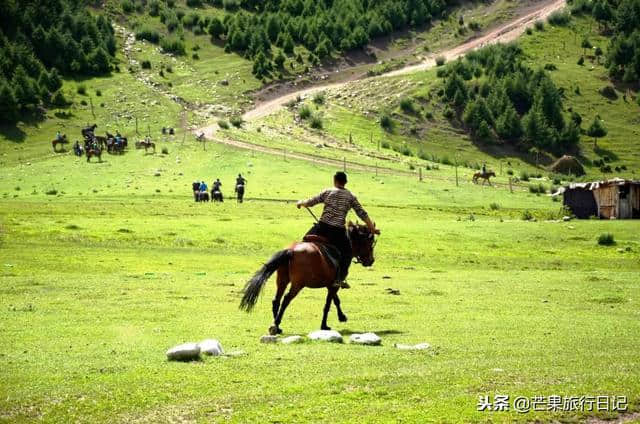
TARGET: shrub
(539,26)
(448,112)
(524,176)
(195,56)
(59,99)
(316,122)
(98,93)
(581,62)
(529,31)
(609,92)
(165,151)
(172,45)
(407,105)
(526,215)
(494,206)
(319,98)
(223,124)
(148,34)
(440,60)
(82,89)
(83,102)
(51,192)
(509,171)
(550,67)
(127,6)
(236,121)
(606,239)
(146,64)
(537,188)
(305,112)
(429,115)
(559,18)
(386,122)
(385,144)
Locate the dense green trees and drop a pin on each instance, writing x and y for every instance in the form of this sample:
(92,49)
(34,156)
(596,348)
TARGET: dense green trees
(497,96)
(39,39)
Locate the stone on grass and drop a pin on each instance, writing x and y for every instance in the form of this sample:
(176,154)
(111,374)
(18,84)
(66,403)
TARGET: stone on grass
(419,346)
(326,335)
(269,339)
(292,340)
(211,347)
(365,339)
(184,352)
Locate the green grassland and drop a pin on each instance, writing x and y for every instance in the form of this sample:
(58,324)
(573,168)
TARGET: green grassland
(100,278)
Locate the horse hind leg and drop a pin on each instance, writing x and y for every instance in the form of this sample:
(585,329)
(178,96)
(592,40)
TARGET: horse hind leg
(282,280)
(293,292)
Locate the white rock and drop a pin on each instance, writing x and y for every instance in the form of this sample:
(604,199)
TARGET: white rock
(365,339)
(292,340)
(326,335)
(184,352)
(268,339)
(211,347)
(419,346)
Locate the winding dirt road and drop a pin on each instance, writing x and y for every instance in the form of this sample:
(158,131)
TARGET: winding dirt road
(503,34)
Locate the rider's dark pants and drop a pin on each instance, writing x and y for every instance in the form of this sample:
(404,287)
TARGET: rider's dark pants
(338,237)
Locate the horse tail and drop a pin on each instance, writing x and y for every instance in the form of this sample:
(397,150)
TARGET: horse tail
(254,286)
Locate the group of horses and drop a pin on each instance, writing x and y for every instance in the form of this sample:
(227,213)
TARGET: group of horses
(216,194)
(94,144)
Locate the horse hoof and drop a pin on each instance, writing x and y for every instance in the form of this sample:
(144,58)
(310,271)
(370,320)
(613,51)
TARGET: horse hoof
(324,327)
(273,330)
(342,318)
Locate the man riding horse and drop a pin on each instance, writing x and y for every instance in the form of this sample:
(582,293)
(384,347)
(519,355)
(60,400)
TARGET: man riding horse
(240,183)
(216,191)
(337,203)
(309,263)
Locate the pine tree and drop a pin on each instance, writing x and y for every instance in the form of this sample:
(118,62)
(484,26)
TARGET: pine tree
(216,28)
(508,125)
(597,130)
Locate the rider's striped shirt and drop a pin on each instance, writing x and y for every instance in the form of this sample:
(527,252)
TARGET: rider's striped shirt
(337,203)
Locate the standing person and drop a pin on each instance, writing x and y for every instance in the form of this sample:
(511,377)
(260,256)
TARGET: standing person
(484,169)
(338,201)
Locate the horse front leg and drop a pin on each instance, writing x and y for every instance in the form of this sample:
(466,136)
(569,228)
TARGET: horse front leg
(282,280)
(331,292)
(336,301)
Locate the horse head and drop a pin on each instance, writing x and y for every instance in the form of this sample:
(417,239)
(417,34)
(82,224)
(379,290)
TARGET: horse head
(362,242)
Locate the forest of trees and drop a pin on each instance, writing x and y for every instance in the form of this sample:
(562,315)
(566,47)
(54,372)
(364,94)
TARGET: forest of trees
(497,96)
(622,19)
(253,27)
(41,40)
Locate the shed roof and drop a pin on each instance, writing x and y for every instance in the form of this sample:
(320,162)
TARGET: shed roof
(594,185)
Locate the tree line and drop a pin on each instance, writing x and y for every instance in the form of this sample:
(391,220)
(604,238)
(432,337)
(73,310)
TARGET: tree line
(41,40)
(254,27)
(498,97)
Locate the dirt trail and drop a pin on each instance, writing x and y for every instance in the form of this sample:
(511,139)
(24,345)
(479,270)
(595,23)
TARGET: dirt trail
(505,33)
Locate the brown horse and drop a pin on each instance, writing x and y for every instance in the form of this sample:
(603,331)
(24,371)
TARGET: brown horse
(146,144)
(63,140)
(93,151)
(304,265)
(485,177)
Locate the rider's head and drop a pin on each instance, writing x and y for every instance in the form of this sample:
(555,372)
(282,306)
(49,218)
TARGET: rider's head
(340,179)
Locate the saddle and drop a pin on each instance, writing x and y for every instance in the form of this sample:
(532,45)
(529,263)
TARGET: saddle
(328,250)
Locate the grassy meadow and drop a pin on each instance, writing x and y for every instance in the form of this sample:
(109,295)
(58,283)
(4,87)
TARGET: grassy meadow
(100,278)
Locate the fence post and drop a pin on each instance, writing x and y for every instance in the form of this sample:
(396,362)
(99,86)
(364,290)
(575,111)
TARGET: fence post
(137,133)
(510,186)
(420,173)
(92,112)
(456,171)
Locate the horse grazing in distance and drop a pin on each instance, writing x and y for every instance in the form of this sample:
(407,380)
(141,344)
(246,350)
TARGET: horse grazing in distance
(146,144)
(305,264)
(485,177)
(94,151)
(62,141)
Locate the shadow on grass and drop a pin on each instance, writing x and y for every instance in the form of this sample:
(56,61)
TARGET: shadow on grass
(605,152)
(13,133)
(348,332)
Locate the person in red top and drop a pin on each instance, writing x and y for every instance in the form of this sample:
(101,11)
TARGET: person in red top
(338,201)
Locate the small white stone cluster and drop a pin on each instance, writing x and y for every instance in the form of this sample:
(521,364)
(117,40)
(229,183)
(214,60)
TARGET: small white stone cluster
(192,351)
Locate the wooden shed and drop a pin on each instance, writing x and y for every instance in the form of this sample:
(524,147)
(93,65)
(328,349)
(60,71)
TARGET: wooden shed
(610,199)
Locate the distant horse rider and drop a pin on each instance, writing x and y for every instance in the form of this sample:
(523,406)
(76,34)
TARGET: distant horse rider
(215,189)
(196,190)
(58,136)
(338,201)
(484,169)
(203,187)
(77,149)
(240,183)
